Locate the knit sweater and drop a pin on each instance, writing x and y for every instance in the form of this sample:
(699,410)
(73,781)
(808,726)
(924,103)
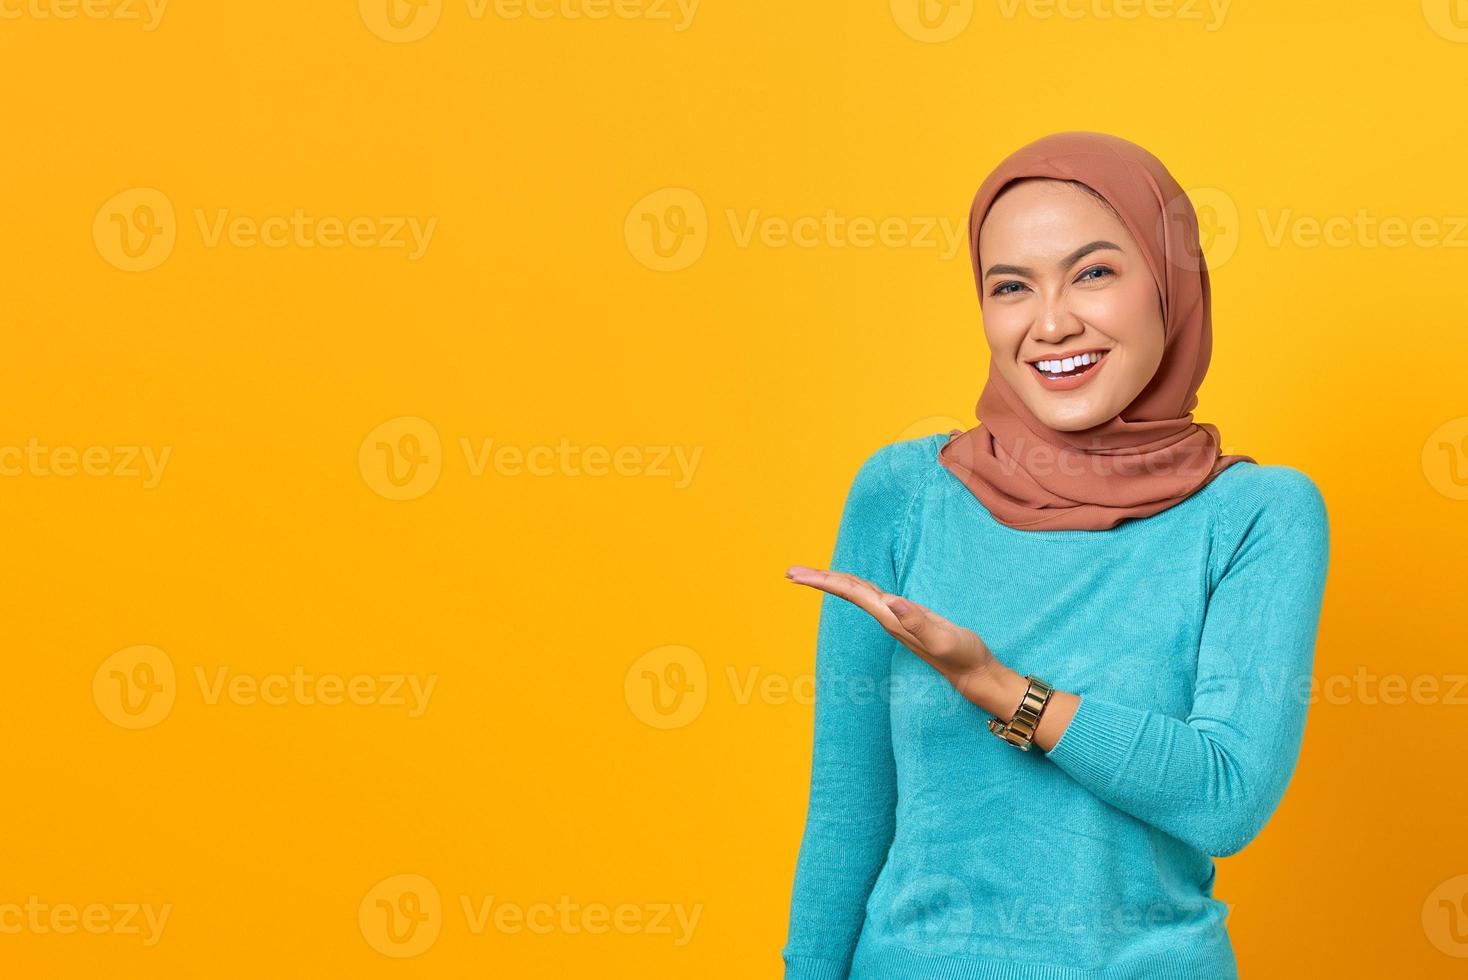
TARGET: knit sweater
(933,850)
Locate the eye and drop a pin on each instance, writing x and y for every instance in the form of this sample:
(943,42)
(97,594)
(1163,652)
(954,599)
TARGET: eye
(999,290)
(1083,277)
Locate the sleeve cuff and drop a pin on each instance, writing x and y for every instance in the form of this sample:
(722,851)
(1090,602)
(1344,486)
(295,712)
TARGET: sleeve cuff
(1096,743)
(814,968)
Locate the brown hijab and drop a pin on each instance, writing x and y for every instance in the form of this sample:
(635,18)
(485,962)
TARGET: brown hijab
(1152,454)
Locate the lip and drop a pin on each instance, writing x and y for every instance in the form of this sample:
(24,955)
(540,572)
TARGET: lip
(1066,384)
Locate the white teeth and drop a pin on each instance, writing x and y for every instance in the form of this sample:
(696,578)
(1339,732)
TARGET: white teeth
(1068,364)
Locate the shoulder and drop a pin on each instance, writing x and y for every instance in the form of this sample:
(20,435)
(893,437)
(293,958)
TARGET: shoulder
(873,531)
(888,481)
(1270,509)
(897,470)
(1249,492)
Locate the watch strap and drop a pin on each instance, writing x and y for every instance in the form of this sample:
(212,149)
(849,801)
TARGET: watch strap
(1020,730)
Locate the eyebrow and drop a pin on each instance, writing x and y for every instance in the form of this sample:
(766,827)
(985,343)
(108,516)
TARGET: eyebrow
(1065,263)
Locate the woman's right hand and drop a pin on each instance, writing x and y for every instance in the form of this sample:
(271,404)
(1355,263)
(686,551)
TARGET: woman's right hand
(958,653)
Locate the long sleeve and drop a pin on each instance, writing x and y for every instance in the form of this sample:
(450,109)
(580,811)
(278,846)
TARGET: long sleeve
(851,812)
(1214,779)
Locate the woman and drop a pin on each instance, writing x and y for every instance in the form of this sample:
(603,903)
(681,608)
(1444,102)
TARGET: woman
(1084,573)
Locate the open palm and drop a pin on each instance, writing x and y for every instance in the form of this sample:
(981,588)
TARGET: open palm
(954,651)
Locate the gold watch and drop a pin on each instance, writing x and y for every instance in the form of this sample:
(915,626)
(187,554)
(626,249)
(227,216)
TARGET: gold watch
(1020,731)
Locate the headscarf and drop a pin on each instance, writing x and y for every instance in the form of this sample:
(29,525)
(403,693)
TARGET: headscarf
(1151,455)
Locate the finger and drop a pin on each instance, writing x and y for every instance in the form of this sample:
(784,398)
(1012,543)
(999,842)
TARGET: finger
(842,584)
(934,635)
(854,589)
(946,641)
(937,635)
(938,641)
(846,586)
(913,617)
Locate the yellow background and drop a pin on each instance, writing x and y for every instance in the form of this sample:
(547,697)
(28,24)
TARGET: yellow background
(543,768)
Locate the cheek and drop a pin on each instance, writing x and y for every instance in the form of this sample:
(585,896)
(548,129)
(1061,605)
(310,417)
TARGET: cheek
(1004,328)
(1128,312)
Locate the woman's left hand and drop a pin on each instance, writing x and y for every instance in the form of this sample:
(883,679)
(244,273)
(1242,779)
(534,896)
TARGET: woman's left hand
(954,651)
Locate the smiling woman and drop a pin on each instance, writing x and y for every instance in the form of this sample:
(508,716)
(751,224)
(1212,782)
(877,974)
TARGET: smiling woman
(1084,572)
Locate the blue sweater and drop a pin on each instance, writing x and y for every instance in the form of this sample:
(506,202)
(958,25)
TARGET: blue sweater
(932,849)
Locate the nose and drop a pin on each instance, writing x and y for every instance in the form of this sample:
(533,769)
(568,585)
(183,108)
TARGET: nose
(1056,322)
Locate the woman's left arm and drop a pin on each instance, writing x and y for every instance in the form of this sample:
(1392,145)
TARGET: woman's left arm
(1214,778)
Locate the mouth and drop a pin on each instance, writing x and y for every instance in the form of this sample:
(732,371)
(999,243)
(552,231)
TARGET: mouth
(1071,370)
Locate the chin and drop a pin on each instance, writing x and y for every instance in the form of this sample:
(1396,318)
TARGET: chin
(1058,410)
(1069,421)
(1076,427)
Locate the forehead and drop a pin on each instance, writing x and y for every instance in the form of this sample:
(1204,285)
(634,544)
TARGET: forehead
(1048,216)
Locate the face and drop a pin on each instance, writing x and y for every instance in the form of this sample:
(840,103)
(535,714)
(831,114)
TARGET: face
(1071,312)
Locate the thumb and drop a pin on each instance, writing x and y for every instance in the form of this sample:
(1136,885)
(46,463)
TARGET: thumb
(910,616)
